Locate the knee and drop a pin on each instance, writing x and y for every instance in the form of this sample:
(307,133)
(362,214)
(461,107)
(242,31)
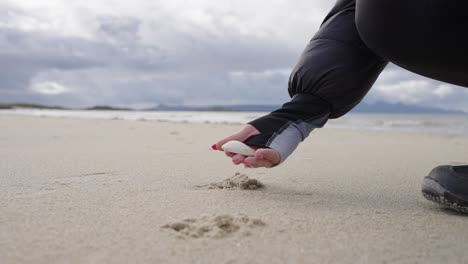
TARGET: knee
(385,28)
(369,33)
(375,27)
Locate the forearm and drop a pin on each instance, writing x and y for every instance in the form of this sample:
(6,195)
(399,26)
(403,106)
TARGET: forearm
(283,129)
(333,74)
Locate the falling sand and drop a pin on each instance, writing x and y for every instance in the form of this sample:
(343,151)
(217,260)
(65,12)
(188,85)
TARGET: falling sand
(238,181)
(220,226)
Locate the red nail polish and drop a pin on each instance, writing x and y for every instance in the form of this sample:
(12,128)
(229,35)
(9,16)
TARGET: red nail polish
(214,147)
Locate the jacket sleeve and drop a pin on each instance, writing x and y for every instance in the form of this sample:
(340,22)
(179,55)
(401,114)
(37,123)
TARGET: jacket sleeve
(333,74)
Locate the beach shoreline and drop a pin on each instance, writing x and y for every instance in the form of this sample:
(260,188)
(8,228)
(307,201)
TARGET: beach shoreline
(422,123)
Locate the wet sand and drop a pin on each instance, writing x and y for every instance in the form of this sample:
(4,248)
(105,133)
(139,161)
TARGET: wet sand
(114,191)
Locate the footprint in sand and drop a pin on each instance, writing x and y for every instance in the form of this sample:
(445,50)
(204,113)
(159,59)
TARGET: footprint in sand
(238,181)
(220,226)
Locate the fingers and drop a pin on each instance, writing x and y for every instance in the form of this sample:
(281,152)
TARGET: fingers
(263,158)
(238,159)
(252,162)
(268,154)
(229,154)
(246,132)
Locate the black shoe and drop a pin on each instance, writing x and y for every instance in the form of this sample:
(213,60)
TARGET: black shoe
(448,186)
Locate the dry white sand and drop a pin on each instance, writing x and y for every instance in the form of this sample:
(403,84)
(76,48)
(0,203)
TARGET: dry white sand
(95,191)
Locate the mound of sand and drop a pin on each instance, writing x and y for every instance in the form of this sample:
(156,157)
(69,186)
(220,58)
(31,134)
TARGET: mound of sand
(238,181)
(220,226)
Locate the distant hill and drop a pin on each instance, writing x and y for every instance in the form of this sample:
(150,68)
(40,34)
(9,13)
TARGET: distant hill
(108,108)
(379,107)
(234,108)
(53,107)
(32,106)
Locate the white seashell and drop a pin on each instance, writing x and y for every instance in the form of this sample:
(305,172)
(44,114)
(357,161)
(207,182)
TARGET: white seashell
(238,147)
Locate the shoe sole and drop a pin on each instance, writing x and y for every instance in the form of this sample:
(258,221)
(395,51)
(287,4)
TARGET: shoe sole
(435,192)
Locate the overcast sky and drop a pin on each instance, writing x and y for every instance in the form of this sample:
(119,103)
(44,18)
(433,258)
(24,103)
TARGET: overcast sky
(140,53)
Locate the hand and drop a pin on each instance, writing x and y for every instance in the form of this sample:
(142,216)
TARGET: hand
(264,157)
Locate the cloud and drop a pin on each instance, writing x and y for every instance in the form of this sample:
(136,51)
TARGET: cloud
(120,64)
(410,92)
(444,91)
(200,52)
(50,88)
(396,85)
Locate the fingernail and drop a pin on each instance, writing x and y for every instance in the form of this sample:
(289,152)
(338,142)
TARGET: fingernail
(214,147)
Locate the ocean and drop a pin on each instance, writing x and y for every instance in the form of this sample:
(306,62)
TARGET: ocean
(442,124)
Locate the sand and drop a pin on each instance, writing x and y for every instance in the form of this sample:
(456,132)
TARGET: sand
(220,226)
(238,181)
(115,191)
